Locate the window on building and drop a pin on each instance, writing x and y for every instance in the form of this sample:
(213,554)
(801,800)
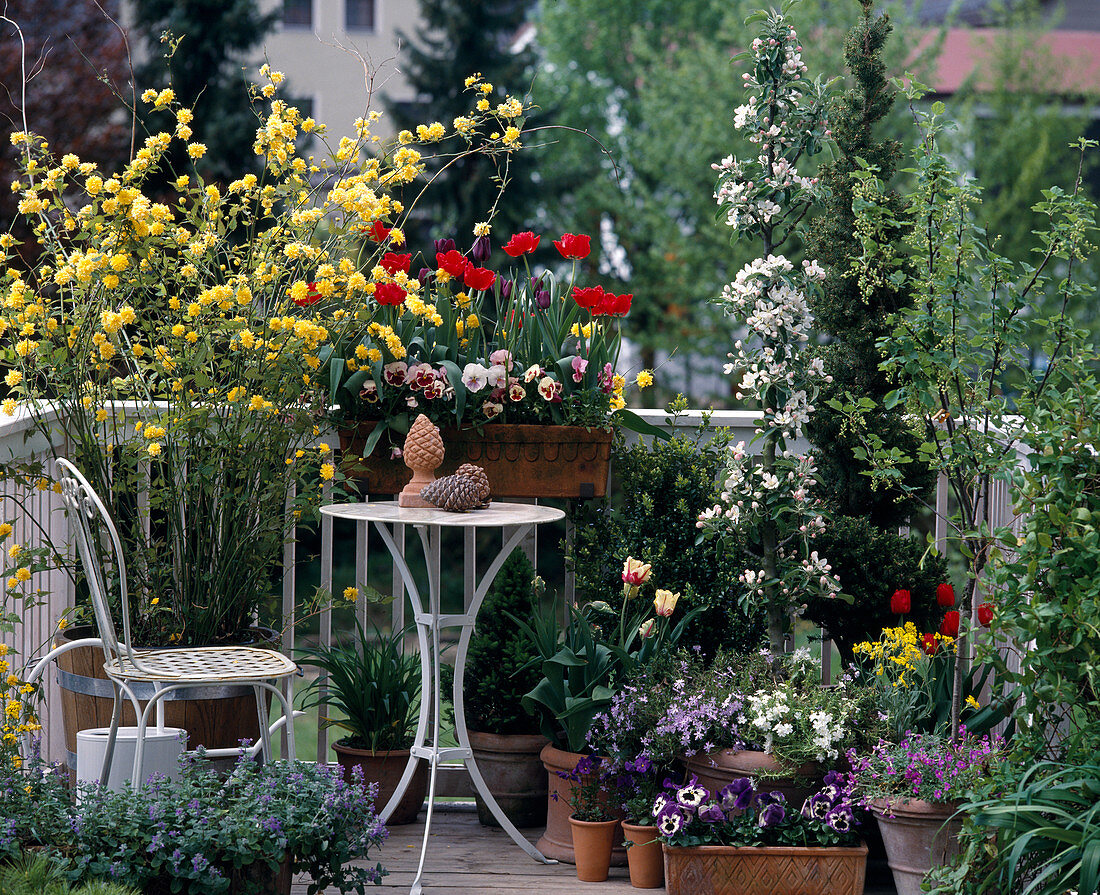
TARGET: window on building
(359,15)
(298,13)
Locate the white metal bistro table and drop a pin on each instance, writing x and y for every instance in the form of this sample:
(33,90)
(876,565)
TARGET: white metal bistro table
(386,516)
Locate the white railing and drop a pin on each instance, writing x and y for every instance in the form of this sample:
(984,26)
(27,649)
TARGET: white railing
(37,517)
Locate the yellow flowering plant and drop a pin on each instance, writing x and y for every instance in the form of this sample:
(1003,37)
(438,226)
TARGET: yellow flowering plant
(911,674)
(177,332)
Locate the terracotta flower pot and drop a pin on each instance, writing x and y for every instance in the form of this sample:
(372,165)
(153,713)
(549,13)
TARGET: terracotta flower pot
(514,774)
(718,769)
(385,768)
(644,857)
(918,836)
(557,841)
(775,870)
(592,843)
(520,460)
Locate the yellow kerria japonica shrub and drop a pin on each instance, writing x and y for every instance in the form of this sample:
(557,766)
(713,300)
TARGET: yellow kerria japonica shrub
(179,330)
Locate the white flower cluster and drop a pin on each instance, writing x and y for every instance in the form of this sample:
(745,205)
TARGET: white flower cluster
(769,713)
(828,731)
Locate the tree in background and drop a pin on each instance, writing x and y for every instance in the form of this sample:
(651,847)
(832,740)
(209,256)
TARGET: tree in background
(75,62)
(460,38)
(204,63)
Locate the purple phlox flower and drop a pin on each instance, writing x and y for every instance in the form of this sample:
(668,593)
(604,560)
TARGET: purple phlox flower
(712,814)
(640,765)
(737,795)
(771,814)
(671,820)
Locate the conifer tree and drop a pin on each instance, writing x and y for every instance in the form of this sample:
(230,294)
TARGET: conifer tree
(206,70)
(855,321)
(459,38)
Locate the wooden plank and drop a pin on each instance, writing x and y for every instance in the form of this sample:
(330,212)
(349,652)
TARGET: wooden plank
(465,858)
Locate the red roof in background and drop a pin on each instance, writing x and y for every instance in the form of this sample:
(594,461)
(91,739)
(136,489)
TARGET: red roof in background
(964,48)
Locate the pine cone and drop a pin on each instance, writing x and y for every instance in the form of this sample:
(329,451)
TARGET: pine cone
(479,475)
(456,493)
(423,446)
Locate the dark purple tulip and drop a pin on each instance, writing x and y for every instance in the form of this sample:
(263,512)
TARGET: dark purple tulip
(425,273)
(481,250)
(542,299)
(442,246)
(506,289)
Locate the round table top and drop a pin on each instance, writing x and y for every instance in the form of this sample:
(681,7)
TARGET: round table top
(496,514)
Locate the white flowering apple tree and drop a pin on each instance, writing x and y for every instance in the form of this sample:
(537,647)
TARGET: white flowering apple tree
(768,499)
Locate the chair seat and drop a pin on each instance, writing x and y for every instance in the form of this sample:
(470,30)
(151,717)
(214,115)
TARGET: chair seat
(203,665)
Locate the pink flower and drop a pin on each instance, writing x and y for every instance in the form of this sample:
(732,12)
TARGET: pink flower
(580,364)
(396,373)
(503,357)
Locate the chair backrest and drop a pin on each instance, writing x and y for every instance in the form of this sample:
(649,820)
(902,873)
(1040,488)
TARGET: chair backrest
(87,513)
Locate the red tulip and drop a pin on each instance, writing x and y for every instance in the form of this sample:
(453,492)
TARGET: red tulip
(392,262)
(452,262)
(311,297)
(945,595)
(589,297)
(522,244)
(985,614)
(928,643)
(950,625)
(900,602)
(573,246)
(479,278)
(613,305)
(389,294)
(377,231)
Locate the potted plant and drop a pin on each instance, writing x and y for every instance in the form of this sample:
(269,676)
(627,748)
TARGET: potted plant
(372,689)
(246,832)
(179,329)
(742,841)
(581,664)
(518,372)
(638,782)
(914,788)
(592,818)
(505,739)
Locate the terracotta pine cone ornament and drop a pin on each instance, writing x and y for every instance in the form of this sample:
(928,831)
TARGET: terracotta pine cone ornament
(467,489)
(423,452)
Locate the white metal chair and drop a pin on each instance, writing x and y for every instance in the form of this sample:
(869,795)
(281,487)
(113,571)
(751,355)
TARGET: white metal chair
(167,670)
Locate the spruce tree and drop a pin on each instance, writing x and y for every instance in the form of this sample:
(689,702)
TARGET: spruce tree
(862,542)
(457,39)
(206,71)
(854,320)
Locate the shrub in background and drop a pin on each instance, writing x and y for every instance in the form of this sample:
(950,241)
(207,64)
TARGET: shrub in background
(501,665)
(665,486)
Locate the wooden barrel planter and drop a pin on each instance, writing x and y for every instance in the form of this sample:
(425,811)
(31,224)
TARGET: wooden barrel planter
(520,460)
(216,717)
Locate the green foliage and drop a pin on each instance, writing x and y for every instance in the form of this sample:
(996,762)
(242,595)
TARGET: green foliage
(374,683)
(457,39)
(665,485)
(206,833)
(35,874)
(500,667)
(1041,836)
(871,564)
(1048,594)
(856,319)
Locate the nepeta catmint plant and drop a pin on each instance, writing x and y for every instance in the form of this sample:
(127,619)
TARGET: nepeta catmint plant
(769,501)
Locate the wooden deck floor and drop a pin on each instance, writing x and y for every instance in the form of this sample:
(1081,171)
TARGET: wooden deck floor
(465,858)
